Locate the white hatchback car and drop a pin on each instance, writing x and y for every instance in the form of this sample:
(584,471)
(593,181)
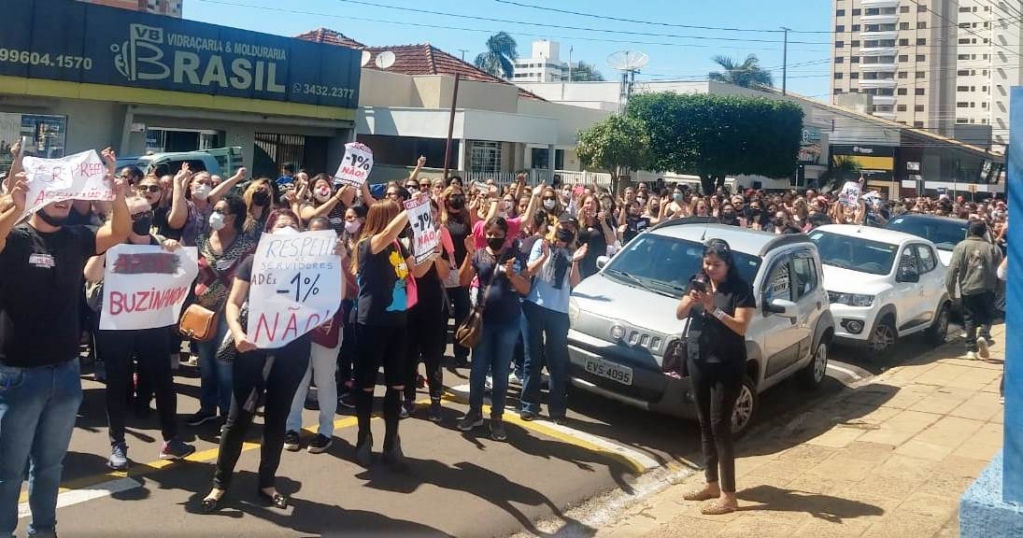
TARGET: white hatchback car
(882,285)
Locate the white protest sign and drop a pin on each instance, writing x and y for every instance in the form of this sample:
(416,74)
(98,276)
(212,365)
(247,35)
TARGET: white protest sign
(81,176)
(356,165)
(144,286)
(295,286)
(850,194)
(424,233)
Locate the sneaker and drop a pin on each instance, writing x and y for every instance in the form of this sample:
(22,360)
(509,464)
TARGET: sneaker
(527,415)
(176,449)
(292,443)
(320,444)
(514,379)
(971,356)
(435,414)
(118,460)
(364,451)
(200,418)
(395,458)
(470,421)
(497,432)
(347,400)
(982,349)
(560,421)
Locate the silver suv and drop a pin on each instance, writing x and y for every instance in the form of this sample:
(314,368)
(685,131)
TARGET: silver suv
(623,318)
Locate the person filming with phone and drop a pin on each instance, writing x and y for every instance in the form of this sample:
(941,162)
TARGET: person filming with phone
(718,307)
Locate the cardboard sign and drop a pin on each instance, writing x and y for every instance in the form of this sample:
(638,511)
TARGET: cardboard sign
(425,237)
(356,165)
(144,286)
(81,176)
(296,286)
(850,194)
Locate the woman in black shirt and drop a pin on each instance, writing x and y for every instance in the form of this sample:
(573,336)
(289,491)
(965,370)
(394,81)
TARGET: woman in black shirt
(458,220)
(719,306)
(596,231)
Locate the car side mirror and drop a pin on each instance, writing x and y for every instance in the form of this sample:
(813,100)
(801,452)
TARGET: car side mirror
(907,275)
(602,261)
(783,308)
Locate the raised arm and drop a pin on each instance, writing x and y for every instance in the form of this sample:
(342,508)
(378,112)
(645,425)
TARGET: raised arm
(226,186)
(117,228)
(178,215)
(389,235)
(12,214)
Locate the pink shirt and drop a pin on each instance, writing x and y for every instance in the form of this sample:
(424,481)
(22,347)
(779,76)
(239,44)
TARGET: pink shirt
(480,235)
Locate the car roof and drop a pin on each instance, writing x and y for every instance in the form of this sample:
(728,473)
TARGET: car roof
(930,218)
(752,242)
(882,235)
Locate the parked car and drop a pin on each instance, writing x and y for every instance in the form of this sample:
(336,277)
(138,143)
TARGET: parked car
(623,318)
(883,285)
(944,232)
(217,161)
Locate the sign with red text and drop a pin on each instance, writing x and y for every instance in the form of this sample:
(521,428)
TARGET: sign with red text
(850,194)
(356,165)
(425,237)
(81,176)
(144,286)
(295,286)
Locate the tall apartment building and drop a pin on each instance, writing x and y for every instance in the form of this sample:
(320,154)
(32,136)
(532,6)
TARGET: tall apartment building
(544,65)
(988,63)
(171,8)
(901,53)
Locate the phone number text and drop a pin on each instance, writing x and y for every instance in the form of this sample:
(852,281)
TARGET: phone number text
(326,91)
(35,58)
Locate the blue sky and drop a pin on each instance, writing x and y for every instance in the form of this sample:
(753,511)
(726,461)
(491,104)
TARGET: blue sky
(675,52)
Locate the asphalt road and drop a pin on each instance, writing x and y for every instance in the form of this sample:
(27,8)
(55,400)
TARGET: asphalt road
(463,485)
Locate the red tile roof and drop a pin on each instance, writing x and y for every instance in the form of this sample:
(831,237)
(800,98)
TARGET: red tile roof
(421,59)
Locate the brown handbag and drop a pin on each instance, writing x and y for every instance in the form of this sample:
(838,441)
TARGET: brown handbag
(198,323)
(469,331)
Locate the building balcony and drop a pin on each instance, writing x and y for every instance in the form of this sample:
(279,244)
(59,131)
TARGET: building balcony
(885,115)
(878,83)
(892,18)
(884,100)
(867,4)
(878,68)
(879,51)
(880,35)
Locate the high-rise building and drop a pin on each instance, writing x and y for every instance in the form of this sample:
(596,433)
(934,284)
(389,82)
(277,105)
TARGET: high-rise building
(902,54)
(544,65)
(170,8)
(988,63)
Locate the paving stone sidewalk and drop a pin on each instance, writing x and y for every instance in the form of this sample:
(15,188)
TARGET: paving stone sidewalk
(887,458)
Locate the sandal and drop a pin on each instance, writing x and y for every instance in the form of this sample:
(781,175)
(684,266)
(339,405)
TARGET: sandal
(698,495)
(277,499)
(211,504)
(718,508)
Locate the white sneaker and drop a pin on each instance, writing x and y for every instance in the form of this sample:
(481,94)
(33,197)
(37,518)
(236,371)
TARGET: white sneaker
(513,379)
(971,356)
(489,385)
(982,349)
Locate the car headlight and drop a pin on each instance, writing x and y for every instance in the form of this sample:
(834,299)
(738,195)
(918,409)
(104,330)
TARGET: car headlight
(850,299)
(573,310)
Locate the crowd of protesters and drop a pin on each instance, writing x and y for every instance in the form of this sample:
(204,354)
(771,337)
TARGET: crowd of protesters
(512,253)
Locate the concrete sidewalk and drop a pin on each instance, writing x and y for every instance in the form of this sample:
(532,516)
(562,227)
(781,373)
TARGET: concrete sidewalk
(887,458)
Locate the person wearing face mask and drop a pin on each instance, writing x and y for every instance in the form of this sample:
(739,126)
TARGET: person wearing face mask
(327,203)
(272,376)
(150,347)
(595,230)
(506,208)
(458,221)
(260,198)
(729,216)
(555,271)
(355,218)
(221,250)
(632,222)
(676,208)
(193,200)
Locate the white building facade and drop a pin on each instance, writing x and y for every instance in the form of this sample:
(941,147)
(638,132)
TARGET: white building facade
(544,65)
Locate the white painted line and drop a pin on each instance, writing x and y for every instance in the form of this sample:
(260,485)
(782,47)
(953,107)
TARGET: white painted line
(846,371)
(78,496)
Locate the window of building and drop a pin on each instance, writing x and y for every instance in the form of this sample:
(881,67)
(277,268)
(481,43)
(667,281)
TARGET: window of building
(921,58)
(854,75)
(983,121)
(921,41)
(486,157)
(920,8)
(840,13)
(838,76)
(839,59)
(962,104)
(961,120)
(918,108)
(921,74)
(918,124)
(962,88)
(964,9)
(903,57)
(855,59)
(964,41)
(903,26)
(856,12)
(839,28)
(964,25)
(900,108)
(903,42)
(839,44)
(903,74)
(964,57)
(856,28)
(902,91)
(855,43)
(920,91)
(963,72)
(983,104)
(838,91)
(903,9)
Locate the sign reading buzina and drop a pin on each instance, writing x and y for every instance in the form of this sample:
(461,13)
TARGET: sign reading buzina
(102,45)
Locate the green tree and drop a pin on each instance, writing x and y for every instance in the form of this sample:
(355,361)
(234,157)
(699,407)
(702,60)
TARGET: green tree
(843,168)
(498,60)
(714,136)
(584,72)
(747,74)
(618,144)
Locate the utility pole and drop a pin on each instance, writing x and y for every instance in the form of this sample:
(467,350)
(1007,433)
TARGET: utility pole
(463,51)
(785,63)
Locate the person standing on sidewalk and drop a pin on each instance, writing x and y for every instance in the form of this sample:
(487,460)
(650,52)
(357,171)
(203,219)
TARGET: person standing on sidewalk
(973,269)
(719,306)
(41,282)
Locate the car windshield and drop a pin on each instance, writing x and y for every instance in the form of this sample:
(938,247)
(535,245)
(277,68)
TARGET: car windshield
(664,265)
(854,253)
(944,234)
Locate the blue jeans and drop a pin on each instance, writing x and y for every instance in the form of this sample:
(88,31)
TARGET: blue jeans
(214,376)
(546,329)
(38,407)
(493,352)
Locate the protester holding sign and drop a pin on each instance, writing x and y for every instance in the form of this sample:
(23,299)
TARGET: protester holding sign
(193,201)
(328,203)
(150,346)
(258,373)
(41,263)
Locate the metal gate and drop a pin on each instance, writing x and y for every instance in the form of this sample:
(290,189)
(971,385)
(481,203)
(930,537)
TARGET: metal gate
(277,150)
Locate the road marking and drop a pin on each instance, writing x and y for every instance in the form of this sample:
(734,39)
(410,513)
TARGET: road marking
(846,371)
(70,497)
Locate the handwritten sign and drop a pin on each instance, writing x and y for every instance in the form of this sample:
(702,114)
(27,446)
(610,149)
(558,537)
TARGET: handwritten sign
(81,176)
(424,233)
(850,194)
(295,287)
(145,286)
(356,165)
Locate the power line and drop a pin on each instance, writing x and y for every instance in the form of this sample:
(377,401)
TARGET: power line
(946,19)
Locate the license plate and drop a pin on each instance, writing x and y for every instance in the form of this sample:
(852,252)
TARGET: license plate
(609,370)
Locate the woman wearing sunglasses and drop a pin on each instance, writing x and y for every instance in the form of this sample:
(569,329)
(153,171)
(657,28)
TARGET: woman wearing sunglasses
(458,219)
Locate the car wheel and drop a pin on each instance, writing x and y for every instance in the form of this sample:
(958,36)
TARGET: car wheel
(882,339)
(938,332)
(745,407)
(813,374)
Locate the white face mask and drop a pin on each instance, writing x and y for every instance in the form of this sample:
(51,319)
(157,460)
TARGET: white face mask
(549,204)
(287,230)
(322,194)
(217,222)
(353,226)
(201,192)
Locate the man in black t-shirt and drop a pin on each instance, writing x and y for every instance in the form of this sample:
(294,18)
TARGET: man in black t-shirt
(41,279)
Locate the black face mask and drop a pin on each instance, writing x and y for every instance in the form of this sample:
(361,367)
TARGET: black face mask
(495,243)
(56,222)
(261,198)
(142,226)
(456,203)
(565,236)
(777,223)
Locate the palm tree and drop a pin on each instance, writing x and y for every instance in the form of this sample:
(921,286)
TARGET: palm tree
(584,72)
(843,168)
(748,74)
(501,52)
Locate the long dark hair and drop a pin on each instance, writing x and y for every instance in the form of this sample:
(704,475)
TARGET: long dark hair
(723,252)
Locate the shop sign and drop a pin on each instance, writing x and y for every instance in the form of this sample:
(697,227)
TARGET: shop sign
(95,44)
(810,146)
